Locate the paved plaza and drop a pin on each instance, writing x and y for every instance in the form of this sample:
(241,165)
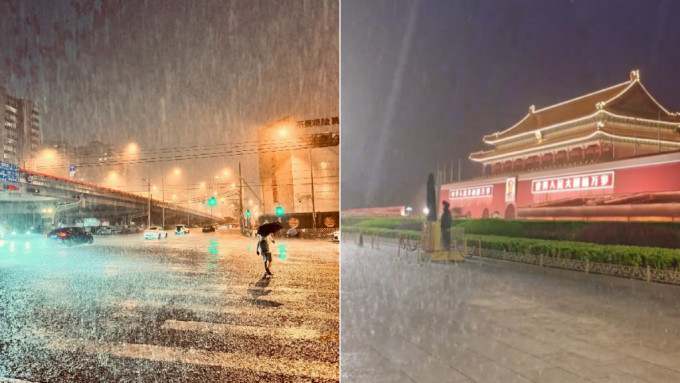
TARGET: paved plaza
(493,321)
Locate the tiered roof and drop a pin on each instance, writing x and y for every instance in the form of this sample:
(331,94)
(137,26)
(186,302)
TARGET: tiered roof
(627,100)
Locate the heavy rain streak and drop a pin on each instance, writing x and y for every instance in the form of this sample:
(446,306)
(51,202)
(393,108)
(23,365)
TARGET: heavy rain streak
(510,191)
(145,146)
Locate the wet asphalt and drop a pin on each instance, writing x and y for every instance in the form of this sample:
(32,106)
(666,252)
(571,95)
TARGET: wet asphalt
(487,321)
(194,308)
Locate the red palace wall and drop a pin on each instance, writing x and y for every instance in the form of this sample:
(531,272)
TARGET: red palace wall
(657,173)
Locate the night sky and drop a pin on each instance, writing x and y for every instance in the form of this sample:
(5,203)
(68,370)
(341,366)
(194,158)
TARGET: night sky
(171,73)
(423,81)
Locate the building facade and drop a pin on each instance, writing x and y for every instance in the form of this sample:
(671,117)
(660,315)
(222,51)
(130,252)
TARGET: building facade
(299,165)
(21,135)
(612,155)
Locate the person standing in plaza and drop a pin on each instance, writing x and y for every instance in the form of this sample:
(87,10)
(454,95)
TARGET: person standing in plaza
(446,227)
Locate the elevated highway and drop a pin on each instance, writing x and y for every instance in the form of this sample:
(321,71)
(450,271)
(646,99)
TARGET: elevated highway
(41,200)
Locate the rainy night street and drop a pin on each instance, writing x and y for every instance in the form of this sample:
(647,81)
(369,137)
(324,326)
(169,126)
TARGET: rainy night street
(192,308)
(493,321)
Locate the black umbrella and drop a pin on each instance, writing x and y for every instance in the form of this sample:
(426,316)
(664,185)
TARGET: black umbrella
(269,228)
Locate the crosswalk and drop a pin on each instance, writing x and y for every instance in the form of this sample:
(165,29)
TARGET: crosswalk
(186,322)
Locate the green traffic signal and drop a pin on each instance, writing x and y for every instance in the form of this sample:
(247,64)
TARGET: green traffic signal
(279,211)
(248,213)
(212,201)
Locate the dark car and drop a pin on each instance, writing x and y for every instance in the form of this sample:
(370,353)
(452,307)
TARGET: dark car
(70,236)
(208,229)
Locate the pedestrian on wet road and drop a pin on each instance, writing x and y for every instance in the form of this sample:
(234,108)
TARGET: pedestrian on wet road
(446,227)
(263,247)
(265,233)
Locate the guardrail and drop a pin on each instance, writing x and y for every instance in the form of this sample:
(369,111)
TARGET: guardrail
(646,274)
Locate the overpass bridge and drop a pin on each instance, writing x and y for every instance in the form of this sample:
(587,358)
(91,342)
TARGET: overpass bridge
(43,201)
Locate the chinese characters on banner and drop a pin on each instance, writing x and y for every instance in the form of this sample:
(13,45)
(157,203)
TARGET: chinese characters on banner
(592,181)
(471,192)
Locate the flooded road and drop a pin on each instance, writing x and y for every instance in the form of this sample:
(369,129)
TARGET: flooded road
(189,308)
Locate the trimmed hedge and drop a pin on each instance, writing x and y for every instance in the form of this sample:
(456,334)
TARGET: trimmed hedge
(654,257)
(388,233)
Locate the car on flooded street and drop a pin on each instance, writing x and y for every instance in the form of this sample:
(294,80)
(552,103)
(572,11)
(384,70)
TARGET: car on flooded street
(208,229)
(155,232)
(181,229)
(70,236)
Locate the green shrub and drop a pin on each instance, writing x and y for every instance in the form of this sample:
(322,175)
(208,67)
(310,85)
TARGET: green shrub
(491,227)
(654,257)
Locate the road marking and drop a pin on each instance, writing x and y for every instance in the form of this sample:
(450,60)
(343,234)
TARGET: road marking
(223,294)
(239,361)
(272,288)
(264,312)
(221,328)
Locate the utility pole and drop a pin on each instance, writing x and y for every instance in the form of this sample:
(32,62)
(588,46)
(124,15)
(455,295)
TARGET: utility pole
(148,193)
(459,170)
(163,188)
(240,198)
(148,206)
(188,200)
(311,173)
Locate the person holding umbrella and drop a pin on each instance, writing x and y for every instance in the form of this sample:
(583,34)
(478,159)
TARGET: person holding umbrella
(264,235)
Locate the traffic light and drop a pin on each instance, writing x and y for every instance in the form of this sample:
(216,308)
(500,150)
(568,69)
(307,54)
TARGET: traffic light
(212,201)
(12,187)
(279,211)
(248,213)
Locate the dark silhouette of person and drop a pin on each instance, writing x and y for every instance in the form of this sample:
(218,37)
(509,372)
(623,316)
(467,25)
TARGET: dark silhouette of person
(446,227)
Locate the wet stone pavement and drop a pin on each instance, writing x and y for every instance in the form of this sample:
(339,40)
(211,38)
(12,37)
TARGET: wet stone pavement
(493,321)
(192,308)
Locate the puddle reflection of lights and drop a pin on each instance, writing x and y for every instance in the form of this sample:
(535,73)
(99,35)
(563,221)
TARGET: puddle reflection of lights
(283,253)
(213,246)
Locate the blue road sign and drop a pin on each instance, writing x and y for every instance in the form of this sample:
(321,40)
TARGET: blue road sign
(72,169)
(9,172)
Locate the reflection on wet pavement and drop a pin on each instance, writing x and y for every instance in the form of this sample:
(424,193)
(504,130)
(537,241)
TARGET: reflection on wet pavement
(189,308)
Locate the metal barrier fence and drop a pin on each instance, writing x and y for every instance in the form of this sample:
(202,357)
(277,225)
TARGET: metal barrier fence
(641,273)
(647,274)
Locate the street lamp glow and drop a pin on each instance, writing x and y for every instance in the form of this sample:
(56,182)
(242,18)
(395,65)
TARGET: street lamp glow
(202,185)
(426,211)
(226,172)
(177,171)
(132,148)
(283,132)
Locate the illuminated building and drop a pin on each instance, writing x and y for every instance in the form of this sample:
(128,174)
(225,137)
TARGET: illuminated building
(608,155)
(20,135)
(291,154)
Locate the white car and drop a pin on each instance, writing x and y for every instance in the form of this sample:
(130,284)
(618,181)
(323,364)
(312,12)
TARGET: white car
(336,236)
(155,232)
(181,229)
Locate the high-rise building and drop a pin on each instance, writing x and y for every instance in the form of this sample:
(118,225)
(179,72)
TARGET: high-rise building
(300,166)
(21,135)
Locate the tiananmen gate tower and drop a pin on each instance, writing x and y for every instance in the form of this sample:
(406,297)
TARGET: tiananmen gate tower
(613,154)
